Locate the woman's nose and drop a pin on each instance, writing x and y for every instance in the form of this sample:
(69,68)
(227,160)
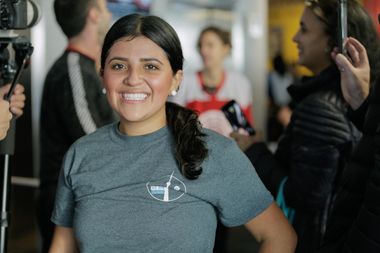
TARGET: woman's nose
(295,37)
(133,77)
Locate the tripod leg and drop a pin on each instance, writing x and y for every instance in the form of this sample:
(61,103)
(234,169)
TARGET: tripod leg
(4,211)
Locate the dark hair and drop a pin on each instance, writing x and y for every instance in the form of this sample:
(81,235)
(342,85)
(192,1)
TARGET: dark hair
(224,35)
(71,15)
(190,148)
(279,65)
(359,25)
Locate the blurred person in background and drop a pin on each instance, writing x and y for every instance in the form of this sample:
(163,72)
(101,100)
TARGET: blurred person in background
(208,89)
(279,112)
(319,139)
(73,102)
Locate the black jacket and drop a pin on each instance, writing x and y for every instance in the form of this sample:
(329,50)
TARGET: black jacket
(73,105)
(354,226)
(311,153)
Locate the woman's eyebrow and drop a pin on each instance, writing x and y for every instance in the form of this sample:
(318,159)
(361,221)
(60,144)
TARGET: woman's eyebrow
(118,58)
(152,59)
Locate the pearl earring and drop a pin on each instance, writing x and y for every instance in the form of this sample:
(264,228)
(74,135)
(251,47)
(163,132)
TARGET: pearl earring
(173,93)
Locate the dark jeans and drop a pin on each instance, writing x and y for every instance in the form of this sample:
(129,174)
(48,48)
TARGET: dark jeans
(220,245)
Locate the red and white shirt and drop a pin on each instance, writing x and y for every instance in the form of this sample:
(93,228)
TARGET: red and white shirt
(193,95)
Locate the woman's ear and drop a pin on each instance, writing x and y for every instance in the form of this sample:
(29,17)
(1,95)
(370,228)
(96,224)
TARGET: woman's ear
(177,80)
(93,14)
(227,50)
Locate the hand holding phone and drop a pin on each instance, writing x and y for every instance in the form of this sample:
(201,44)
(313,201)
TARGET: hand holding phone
(236,117)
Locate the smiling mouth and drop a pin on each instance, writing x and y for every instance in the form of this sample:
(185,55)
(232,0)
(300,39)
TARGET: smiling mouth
(134,96)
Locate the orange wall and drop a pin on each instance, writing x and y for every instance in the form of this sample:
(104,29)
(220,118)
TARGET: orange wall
(373,7)
(285,17)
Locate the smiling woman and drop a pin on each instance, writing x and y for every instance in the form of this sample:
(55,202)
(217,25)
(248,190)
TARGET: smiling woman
(156,181)
(138,79)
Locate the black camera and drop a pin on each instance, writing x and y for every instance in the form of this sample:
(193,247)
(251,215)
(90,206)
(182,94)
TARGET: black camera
(15,14)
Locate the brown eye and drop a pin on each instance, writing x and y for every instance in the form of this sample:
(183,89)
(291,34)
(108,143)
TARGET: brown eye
(118,66)
(151,67)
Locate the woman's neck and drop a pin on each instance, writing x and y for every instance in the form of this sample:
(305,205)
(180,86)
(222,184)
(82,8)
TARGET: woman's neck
(318,69)
(212,77)
(143,126)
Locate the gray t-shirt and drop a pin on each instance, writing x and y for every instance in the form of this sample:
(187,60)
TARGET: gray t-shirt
(126,193)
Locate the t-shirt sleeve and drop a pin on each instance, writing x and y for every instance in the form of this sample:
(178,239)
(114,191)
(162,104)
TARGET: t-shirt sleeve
(64,200)
(242,195)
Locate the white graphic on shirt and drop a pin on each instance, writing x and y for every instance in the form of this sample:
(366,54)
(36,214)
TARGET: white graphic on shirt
(166,189)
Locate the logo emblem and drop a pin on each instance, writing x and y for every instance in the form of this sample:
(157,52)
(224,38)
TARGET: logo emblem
(166,189)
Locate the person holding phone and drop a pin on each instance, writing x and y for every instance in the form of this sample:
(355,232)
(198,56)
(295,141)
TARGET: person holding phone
(354,222)
(320,137)
(210,88)
(7,108)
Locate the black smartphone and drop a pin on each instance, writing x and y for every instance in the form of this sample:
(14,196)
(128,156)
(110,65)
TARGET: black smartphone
(342,25)
(236,117)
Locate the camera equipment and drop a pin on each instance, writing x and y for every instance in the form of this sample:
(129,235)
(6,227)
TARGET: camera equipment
(14,15)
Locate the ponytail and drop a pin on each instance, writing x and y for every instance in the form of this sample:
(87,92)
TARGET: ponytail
(190,148)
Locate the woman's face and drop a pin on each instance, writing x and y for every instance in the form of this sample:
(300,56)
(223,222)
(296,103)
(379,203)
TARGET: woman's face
(312,43)
(212,50)
(138,79)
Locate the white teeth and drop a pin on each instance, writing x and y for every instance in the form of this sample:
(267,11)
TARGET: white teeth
(134,96)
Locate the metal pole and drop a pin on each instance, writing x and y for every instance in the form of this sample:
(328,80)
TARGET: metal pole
(4,213)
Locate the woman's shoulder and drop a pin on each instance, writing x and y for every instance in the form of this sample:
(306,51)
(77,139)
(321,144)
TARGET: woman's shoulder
(330,99)
(216,141)
(236,75)
(321,116)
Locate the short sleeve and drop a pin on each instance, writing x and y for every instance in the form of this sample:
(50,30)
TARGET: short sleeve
(242,195)
(64,200)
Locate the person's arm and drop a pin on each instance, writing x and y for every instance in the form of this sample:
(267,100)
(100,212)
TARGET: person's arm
(63,213)
(317,151)
(273,231)
(5,118)
(354,72)
(63,241)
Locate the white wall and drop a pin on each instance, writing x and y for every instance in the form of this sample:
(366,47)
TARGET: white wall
(251,56)
(48,42)
(188,21)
